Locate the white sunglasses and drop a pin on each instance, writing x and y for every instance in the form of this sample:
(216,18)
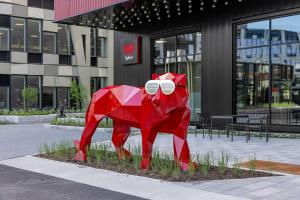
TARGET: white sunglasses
(167,86)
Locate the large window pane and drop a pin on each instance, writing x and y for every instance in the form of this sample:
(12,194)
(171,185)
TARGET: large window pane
(49,97)
(48,4)
(93,42)
(189,44)
(165,47)
(182,54)
(17,34)
(34,81)
(4,39)
(34,36)
(252,80)
(49,42)
(63,39)
(35,3)
(4,97)
(102,47)
(252,34)
(17,86)
(286,29)
(63,97)
(97,83)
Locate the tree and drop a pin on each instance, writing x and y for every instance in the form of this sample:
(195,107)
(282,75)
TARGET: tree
(78,95)
(30,96)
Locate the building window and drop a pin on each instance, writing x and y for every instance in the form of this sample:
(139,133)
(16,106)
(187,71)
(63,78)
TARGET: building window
(267,69)
(63,39)
(17,85)
(49,97)
(49,42)
(17,34)
(34,36)
(102,47)
(35,3)
(93,42)
(182,54)
(4,39)
(48,4)
(34,82)
(63,97)
(97,83)
(4,91)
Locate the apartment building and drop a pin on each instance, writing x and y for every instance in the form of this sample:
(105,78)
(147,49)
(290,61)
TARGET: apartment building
(37,52)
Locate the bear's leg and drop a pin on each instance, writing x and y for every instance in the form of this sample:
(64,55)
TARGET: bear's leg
(86,138)
(181,148)
(120,134)
(148,137)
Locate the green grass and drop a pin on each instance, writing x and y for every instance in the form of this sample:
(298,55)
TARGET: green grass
(79,123)
(162,164)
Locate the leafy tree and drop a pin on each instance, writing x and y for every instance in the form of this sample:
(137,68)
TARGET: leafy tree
(78,95)
(30,96)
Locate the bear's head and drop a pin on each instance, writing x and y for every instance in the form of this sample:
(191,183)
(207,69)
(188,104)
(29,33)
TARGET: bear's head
(167,92)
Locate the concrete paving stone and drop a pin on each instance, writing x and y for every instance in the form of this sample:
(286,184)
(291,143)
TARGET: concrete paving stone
(259,185)
(265,192)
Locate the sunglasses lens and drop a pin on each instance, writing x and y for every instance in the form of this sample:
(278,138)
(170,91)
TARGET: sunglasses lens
(167,87)
(152,87)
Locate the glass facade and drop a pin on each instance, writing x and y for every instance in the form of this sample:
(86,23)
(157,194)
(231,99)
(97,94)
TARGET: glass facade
(17,86)
(102,47)
(34,82)
(63,39)
(49,97)
(97,83)
(4,39)
(63,97)
(267,69)
(18,34)
(34,36)
(49,42)
(182,54)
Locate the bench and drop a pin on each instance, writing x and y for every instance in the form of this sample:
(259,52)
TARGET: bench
(252,121)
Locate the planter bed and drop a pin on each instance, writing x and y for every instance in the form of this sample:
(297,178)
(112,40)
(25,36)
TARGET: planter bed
(27,119)
(163,167)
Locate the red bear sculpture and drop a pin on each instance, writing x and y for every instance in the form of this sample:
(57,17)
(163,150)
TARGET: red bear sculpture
(162,106)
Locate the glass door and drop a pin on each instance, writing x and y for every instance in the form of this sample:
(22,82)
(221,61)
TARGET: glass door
(182,54)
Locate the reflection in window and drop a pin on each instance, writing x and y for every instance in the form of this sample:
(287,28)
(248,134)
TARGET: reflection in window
(253,69)
(63,39)
(49,43)
(97,83)
(34,82)
(34,36)
(49,97)
(102,47)
(4,97)
(252,81)
(252,34)
(93,42)
(17,34)
(63,97)
(17,86)
(4,39)
(182,54)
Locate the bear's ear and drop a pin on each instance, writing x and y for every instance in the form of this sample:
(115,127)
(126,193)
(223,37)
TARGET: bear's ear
(180,80)
(155,76)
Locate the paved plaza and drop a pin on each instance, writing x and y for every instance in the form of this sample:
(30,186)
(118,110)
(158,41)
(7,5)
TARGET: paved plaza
(276,150)
(26,177)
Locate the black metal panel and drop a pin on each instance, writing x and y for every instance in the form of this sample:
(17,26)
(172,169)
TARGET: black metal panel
(136,74)
(217,57)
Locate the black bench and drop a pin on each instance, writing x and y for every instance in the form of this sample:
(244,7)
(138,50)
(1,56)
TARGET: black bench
(251,121)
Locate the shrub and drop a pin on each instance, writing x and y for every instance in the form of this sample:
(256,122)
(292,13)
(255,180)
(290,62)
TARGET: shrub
(30,96)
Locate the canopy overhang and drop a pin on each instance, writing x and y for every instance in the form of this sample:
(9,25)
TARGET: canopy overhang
(126,15)
(67,9)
